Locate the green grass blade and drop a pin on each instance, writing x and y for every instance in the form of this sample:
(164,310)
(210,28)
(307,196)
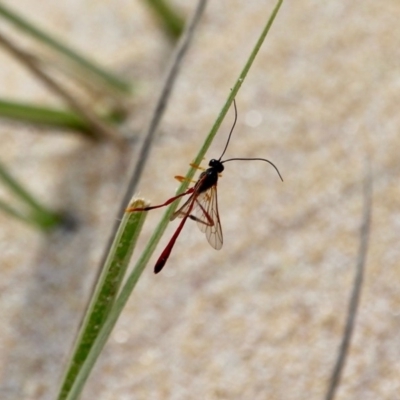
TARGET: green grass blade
(126,291)
(13,212)
(171,20)
(44,221)
(38,214)
(50,41)
(105,293)
(15,187)
(115,312)
(46,116)
(24,112)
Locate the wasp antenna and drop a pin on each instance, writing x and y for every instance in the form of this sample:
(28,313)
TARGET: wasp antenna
(255,159)
(230,133)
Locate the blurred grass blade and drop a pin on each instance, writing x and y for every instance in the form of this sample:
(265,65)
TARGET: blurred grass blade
(105,293)
(13,212)
(355,296)
(33,114)
(100,129)
(15,187)
(41,115)
(171,20)
(67,52)
(38,214)
(44,221)
(130,284)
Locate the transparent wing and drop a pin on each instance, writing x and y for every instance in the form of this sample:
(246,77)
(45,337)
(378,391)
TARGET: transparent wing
(203,208)
(185,209)
(207,217)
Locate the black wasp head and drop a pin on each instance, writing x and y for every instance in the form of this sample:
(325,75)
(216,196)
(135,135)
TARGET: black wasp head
(217,165)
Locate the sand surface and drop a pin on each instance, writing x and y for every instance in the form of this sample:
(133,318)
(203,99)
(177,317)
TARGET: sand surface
(263,317)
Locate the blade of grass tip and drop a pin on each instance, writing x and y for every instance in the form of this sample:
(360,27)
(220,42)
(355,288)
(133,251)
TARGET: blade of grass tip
(38,214)
(106,291)
(357,286)
(143,260)
(172,21)
(38,34)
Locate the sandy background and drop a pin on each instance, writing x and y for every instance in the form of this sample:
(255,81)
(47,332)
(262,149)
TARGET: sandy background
(263,317)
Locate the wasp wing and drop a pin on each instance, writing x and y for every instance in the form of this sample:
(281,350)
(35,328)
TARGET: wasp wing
(185,209)
(203,208)
(207,217)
